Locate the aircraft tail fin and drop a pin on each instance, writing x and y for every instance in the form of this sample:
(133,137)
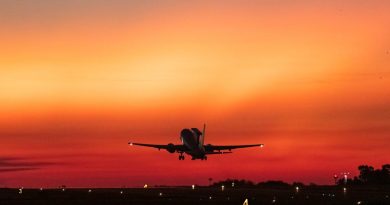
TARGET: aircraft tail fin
(201,140)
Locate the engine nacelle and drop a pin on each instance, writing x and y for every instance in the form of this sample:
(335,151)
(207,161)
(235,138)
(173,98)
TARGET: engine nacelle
(171,148)
(208,148)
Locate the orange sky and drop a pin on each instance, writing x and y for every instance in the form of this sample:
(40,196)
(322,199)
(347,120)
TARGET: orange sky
(78,80)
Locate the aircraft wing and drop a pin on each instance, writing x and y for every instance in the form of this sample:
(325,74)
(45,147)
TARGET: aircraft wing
(169,147)
(219,152)
(211,148)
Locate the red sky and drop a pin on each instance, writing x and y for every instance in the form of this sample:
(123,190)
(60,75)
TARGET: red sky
(78,80)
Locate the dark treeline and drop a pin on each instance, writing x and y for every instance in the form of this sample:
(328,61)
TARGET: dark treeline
(368,176)
(249,184)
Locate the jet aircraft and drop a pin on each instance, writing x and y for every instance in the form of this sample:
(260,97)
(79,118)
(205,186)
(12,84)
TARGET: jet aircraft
(193,145)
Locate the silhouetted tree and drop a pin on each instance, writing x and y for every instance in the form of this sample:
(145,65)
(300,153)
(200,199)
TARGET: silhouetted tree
(273,184)
(365,173)
(237,183)
(298,184)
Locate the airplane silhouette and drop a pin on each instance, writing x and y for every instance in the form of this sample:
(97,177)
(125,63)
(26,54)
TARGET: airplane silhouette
(193,145)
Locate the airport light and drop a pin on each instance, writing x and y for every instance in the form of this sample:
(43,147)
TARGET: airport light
(145,186)
(359,202)
(345,176)
(210,197)
(193,186)
(223,188)
(232,184)
(160,194)
(345,190)
(21,190)
(297,189)
(89,191)
(121,192)
(41,189)
(335,177)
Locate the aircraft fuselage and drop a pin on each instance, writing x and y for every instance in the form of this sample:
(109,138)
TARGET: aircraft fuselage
(191,139)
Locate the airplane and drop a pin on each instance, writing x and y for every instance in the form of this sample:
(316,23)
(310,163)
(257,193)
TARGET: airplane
(193,145)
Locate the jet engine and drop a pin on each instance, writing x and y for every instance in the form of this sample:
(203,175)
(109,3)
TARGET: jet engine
(171,148)
(208,148)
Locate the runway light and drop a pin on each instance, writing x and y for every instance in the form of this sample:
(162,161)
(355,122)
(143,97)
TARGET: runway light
(121,192)
(210,197)
(222,187)
(21,190)
(345,189)
(63,189)
(359,202)
(193,186)
(232,184)
(297,189)
(145,186)
(89,191)
(160,194)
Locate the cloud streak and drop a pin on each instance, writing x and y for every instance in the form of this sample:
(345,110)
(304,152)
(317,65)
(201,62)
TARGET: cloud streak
(14,164)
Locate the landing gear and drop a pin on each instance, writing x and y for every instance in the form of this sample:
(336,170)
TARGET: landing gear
(181,156)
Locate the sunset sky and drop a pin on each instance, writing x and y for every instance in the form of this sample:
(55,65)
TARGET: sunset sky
(79,79)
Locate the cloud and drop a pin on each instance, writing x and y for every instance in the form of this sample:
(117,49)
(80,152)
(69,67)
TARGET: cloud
(17,169)
(13,164)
